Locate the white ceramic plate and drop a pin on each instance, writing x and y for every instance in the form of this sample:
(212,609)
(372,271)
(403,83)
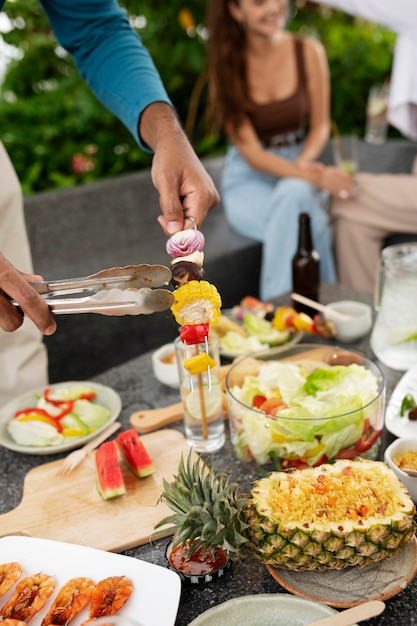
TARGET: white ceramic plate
(279,609)
(397,425)
(104,396)
(353,585)
(65,561)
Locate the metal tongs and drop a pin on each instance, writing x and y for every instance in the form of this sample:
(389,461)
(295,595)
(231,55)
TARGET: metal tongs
(115,291)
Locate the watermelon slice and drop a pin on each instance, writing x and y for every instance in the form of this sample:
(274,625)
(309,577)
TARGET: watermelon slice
(134,453)
(110,482)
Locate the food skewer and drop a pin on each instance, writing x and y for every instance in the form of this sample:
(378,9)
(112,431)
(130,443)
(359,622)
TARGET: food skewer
(197,303)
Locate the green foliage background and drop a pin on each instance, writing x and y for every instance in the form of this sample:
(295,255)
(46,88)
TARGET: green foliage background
(48,115)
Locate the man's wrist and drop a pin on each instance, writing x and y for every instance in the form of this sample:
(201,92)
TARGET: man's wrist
(158,119)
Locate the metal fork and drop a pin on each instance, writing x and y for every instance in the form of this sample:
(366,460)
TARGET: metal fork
(77,456)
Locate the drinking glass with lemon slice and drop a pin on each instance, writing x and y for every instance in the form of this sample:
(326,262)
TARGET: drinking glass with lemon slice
(201,395)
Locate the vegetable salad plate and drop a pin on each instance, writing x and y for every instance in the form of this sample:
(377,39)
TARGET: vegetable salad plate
(65,561)
(398,425)
(353,585)
(97,407)
(233,344)
(277,609)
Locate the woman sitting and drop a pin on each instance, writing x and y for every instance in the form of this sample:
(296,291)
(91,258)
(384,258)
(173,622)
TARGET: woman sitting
(271,91)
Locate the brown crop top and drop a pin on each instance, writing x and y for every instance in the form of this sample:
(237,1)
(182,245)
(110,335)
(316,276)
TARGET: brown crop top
(284,116)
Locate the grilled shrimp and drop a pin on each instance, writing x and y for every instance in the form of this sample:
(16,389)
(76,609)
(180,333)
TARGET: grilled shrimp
(71,599)
(12,622)
(29,597)
(109,595)
(9,574)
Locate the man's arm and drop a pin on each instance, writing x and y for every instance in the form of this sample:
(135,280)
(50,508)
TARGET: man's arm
(109,55)
(118,68)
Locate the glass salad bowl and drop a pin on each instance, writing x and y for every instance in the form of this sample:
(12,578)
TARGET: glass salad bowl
(305,406)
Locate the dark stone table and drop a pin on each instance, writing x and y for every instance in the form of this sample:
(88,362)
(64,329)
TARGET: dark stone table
(138,388)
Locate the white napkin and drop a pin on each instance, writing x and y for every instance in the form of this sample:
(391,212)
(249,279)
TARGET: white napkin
(400,16)
(402,105)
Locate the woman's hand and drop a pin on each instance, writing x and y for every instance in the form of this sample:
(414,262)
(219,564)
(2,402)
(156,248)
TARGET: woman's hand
(330,178)
(15,285)
(336,182)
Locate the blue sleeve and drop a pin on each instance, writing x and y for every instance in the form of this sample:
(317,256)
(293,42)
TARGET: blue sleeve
(110,56)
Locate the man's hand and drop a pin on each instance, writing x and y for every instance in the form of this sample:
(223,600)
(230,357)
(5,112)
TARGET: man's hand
(17,287)
(185,188)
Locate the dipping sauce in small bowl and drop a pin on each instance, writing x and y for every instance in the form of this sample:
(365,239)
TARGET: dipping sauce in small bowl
(165,367)
(402,455)
(197,568)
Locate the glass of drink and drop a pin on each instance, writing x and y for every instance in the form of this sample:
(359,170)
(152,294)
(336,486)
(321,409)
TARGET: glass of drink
(376,114)
(201,394)
(394,336)
(345,153)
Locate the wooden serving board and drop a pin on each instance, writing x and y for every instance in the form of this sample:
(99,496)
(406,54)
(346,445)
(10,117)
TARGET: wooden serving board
(69,508)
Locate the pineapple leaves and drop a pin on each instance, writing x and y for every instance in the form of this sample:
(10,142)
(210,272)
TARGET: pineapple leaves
(209,513)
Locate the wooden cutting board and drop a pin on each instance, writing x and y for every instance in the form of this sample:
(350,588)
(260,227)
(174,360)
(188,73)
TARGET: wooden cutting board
(69,508)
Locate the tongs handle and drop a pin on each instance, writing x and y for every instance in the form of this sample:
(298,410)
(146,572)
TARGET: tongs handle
(131,276)
(114,302)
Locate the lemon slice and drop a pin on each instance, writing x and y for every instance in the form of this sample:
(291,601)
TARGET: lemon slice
(212,401)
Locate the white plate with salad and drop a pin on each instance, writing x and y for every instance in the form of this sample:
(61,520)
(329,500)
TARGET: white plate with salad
(57,418)
(252,333)
(400,425)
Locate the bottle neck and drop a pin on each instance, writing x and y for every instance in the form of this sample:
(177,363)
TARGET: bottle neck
(305,241)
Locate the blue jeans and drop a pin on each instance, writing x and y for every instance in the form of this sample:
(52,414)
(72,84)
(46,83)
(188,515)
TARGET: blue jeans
(266,208)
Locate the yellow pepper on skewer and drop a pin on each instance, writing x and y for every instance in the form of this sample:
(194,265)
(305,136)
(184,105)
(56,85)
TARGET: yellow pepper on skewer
(199,364)
(282,317)
(286,317)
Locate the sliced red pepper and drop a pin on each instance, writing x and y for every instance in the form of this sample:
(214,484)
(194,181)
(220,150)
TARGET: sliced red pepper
(258,400)
(302,464)
(55,420)
(194,333)
(30,410)
(66,407)
(366,442)
(295,464)
(88,396)
(55,401)
(347,453)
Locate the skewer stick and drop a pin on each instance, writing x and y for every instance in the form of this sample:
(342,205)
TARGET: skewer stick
(320,307)
(202,402)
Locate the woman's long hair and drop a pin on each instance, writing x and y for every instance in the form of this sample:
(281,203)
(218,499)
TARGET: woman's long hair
(227,65)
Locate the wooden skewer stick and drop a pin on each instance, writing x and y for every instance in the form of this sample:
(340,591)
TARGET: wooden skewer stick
(320,307)
(202,402)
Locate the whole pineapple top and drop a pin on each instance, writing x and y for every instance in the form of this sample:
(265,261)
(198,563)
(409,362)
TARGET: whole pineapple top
(350,513)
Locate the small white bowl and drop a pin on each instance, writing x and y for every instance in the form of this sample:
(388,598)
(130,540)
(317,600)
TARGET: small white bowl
(165,367)
(399,446)
(359,324)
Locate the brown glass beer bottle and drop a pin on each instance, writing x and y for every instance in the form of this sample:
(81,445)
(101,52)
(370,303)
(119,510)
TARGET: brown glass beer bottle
(305,266)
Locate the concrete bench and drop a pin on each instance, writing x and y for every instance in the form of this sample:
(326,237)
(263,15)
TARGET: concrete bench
(78,231)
